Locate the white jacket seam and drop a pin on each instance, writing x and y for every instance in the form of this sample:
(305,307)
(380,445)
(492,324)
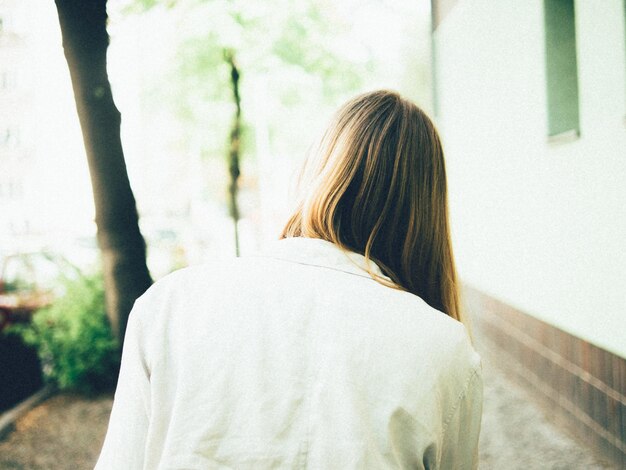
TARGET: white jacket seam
(461,396)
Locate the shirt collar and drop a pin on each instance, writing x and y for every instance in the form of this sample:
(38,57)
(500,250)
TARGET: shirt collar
(322,253)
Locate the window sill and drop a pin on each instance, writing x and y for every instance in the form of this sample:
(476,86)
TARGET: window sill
(564,137)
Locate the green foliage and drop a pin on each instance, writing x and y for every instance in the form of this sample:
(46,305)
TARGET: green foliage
(290,45)
(73,338)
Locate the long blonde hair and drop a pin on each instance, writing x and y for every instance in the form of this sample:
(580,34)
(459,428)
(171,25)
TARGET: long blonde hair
(376,185)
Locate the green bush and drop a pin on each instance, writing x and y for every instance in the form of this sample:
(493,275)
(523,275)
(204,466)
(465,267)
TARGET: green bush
(73,338)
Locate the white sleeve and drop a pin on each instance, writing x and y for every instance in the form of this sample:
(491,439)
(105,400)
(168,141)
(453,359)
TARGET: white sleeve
(459,449)
(128,425)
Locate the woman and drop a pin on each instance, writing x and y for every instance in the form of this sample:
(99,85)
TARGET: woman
(340,347)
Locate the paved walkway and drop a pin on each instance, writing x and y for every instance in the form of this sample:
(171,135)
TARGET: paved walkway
(66,432)
(517,436)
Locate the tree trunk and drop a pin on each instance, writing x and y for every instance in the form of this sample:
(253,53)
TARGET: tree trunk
(234,145)
(85,43)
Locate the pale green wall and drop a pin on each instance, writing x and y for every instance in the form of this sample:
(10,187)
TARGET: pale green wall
(539,225)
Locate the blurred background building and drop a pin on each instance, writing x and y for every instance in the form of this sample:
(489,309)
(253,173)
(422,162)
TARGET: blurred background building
(44,185)
(531,101)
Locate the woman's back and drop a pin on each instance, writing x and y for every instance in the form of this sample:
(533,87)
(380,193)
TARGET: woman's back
(295,358)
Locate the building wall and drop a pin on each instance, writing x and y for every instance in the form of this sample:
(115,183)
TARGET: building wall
(14,154)
(44,182)
(538,224)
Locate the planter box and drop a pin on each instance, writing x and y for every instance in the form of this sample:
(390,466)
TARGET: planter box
(20,371)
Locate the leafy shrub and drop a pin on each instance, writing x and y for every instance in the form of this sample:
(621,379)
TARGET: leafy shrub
(73,338)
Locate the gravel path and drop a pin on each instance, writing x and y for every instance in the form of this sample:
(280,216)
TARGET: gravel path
(66,432)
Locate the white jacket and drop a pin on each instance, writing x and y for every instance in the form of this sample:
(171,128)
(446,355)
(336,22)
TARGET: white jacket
(292,359)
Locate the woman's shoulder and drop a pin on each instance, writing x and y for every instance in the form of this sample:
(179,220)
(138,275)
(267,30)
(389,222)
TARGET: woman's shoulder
(200,285)
(449,340)
(196,276)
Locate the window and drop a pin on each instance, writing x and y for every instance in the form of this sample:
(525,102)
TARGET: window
(7,80)
(10,137)
(6,20)
(11,190)
(561,68)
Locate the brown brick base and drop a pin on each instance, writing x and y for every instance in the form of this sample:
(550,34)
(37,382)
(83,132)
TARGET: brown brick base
(581,386)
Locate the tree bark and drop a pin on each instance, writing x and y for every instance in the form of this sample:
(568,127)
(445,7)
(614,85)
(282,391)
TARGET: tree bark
(234,150)
(85,43)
